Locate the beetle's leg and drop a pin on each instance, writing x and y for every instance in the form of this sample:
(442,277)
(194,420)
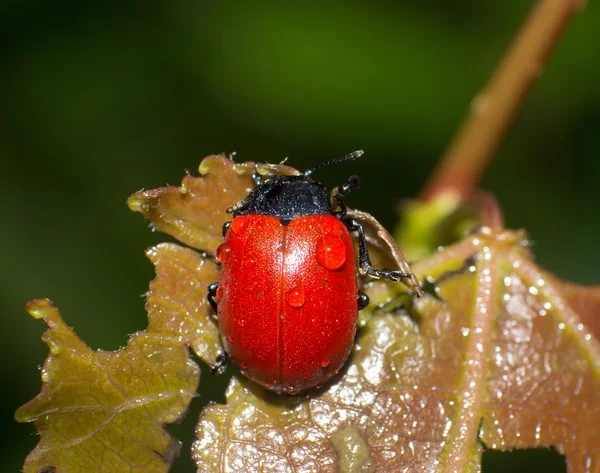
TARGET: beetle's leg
(363,300)
(221,363)
(384,237)
(225,227)
(256,177)
(241,205)
(364,263)
(223,360)
(212,294)
(337,195)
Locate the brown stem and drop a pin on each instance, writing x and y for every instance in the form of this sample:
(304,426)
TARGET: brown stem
(494,109)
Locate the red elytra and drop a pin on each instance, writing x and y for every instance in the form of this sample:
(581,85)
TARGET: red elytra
(292,318)
(287,300)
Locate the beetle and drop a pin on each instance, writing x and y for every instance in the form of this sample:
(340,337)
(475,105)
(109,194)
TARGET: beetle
(287,300)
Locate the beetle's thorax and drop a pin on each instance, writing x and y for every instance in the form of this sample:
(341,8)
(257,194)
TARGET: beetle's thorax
(288,197)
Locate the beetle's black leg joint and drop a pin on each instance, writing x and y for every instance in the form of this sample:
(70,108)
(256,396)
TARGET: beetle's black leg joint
(212,294)
(364,262)
(363,300)
(338,193)
(221,363)
(226,226)
(353,182)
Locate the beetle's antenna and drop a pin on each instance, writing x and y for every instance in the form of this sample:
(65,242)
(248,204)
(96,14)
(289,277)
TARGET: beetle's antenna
(348,157)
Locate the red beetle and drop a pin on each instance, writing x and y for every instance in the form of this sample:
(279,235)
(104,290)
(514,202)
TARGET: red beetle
(287,300)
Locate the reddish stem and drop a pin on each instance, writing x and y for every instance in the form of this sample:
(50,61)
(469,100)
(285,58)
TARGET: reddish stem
(493,110)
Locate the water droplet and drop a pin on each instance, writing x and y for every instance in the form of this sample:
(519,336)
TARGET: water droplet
(338,325)
(219,293)
(223,253)
(243,365)
(240,322)
(291,390)
(589,462)
(331,252)
(324,363)
(295,297)
(249,263)
(231,340)
(239,225)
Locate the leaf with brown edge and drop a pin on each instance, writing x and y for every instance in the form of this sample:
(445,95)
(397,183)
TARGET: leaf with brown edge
(104,411)
(194,213)
(176,302)
(497,357)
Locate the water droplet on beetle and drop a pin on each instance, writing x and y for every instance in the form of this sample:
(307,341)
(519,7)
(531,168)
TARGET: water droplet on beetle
(324,363)
(243,365)
(295,297)
(331,252)
(239,225)
(249,263)
(219,293)
(231,340)
(291,390)
(223,253)
(240,322)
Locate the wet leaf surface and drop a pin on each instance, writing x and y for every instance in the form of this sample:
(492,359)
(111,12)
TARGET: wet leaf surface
(499,358)
(194,212)
(498,354)
(104,411)
(176,302)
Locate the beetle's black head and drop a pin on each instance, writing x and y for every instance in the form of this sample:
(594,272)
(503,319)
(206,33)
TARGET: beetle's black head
(287,197)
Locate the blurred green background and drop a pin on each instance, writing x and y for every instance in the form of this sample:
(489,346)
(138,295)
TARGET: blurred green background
(100,99)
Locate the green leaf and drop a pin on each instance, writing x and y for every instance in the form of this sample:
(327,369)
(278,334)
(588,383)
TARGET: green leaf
(102,411)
